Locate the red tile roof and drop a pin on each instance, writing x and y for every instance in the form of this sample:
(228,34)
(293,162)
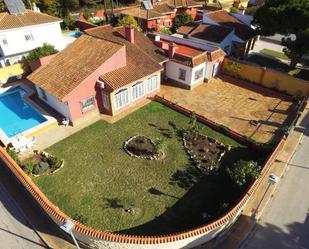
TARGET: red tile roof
(143,57)
(222,17)
(190,56)
(73,64)
(208,32)
(28,18)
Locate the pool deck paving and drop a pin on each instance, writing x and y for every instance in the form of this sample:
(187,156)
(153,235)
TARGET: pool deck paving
(233,103)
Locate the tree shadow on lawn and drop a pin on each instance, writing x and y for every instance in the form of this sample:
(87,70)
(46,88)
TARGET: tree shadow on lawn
(197,207)
(207,198)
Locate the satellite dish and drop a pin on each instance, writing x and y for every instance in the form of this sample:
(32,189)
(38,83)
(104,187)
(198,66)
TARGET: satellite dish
(15,6)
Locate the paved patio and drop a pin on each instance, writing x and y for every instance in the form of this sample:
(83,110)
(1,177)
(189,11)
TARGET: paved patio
(234,103)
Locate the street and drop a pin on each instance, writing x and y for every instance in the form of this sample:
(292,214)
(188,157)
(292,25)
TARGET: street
(285,222)
(15,232)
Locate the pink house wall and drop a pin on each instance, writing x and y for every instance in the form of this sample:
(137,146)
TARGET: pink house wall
(88,87)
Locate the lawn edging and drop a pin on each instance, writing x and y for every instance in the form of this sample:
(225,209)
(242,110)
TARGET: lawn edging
(217,127)
(101,239)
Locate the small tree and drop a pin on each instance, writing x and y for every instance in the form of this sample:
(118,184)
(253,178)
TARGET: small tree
(40,52)
(180,20)
(165,30)
(234,10)
(286,17)
(243,171)
(128,20)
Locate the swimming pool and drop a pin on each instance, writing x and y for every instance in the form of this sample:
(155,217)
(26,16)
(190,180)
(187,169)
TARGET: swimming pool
(75,34)
(16,115)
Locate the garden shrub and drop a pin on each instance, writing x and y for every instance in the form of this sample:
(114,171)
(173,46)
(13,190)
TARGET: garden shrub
(28,167)
(165,30)
(14,155)
(180,20)
(40,52)
(243,172)
(129,20)
(234,10)
(40,168)
(54,163)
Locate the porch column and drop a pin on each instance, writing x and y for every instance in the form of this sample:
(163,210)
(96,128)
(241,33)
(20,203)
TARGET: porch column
(248,46)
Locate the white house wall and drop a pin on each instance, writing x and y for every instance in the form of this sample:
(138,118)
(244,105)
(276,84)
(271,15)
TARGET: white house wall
(201,66)
(172,72)
(54,103)
(44,33)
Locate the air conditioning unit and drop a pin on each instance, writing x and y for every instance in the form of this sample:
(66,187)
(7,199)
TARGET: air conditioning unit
(100,84)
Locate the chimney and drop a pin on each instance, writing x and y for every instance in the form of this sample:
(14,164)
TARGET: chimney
(171,50)
(129,33)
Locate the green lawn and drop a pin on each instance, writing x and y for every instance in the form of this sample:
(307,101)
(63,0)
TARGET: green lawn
(99,180)
(274,53)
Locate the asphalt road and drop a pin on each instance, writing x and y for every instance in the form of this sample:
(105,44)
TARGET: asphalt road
(15,232)
(285,222)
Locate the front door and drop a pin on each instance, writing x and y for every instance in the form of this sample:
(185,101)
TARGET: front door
(105,100)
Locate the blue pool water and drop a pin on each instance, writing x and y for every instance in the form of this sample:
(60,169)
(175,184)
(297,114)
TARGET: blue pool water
(75,34)
(16,115)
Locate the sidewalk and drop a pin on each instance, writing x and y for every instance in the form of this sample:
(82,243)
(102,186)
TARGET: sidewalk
(244,226)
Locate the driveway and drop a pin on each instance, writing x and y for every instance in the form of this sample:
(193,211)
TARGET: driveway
(285,223)
(15,232)
(234,103)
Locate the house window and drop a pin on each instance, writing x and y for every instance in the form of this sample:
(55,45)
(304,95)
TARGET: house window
(198,74)
(122,98)
(88,104)
(28,36)
(152,83)
(3,40)
(182,74)
(137,90)
(43,93)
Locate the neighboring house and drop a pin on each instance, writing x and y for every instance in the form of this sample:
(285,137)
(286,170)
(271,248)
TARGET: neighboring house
(213,35)
(22,32)
(162,13)
(244,36)
(106,71)
(189,65)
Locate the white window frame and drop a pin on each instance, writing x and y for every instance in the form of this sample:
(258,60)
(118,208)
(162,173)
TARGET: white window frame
(182,74)
(138,90)
(28,34)
(152,83)
(121,98)
(3,41)
(87,104)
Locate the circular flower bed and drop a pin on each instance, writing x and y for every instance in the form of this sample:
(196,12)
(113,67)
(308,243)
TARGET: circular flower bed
(143,147)
(42,163)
